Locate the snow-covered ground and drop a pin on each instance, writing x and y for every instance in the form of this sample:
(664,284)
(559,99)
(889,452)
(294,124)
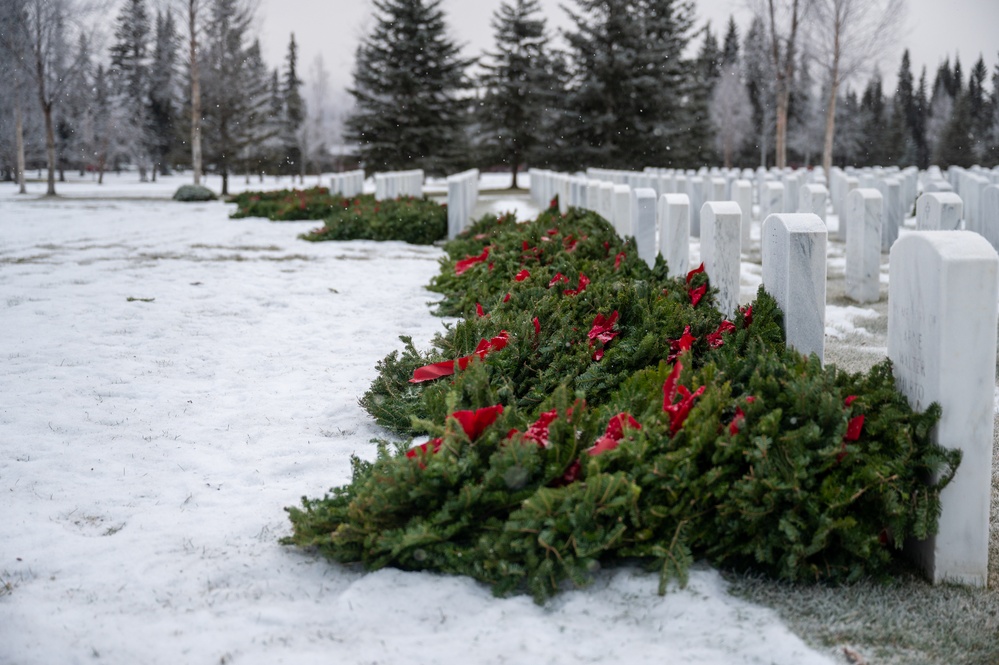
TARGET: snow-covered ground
(171,380)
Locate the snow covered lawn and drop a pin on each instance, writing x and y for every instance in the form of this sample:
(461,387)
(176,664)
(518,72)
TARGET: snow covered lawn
(171,380)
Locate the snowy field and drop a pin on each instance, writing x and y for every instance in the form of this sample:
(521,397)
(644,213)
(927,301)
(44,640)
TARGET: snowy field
(171,380)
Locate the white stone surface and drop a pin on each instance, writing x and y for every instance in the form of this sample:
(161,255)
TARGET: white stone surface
(772,199)
(891,190)
(593,196)
(943,290)
(939,211)
(643,223)
(695,190)
(742,193)
(864,216)
(794,273)
(606,209)
(622,210)
(849,184)
(989,210)
(673,218)
(812,199)
(462,193)
(721,239)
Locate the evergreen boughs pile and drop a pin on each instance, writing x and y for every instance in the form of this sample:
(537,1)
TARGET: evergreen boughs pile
(576,424)
(418,221)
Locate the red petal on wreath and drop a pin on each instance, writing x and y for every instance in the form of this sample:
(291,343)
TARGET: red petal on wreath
(698,269)
(854,427)
(522,275)
(618,259)
(849,400)
(478,310)
(434,371)
(736,423)
(475,422)
(559,277)
(537,326)
(669,386)
(506,298)
(461,266)
(747,316)
(697,294)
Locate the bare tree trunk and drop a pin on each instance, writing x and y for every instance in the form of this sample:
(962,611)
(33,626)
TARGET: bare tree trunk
(50,151)
(19,122)
(827,147)
(785,76)
(192,15)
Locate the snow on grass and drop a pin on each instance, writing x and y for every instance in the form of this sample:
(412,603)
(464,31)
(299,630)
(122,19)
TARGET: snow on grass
(843,320)
(171,381)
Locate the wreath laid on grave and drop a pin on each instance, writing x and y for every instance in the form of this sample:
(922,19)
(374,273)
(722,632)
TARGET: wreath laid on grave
(418,221)
(588,409)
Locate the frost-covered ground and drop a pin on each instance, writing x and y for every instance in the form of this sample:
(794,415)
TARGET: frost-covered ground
(171,380)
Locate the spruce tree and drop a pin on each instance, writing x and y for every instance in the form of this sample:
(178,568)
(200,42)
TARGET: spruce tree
(875,116)
(940,110)
(294,112)
(129,74)
(920,117)
(408,83)
(521,84)
(730,48)
(849,145)
(234,87)
(162,108)
(905,103)
(730,109)
(627,100)
(978,108)
(758,69)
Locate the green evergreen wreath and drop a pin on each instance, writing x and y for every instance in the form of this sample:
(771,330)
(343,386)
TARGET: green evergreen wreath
(578,422)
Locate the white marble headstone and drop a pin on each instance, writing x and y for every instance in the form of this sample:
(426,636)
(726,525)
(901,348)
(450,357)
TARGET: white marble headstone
(622,210)
(989,212)
(939,211)
(943,290)
(643,223)
(772,200)
(812,199)
(742,193)
(721,239)
(794,273)
(673,218)
(695,190)
(864,217)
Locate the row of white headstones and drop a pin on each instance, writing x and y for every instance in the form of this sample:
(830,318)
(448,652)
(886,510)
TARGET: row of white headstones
(462,191)
(943,299)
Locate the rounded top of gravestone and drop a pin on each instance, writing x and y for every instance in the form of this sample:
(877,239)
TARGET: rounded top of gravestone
(948,245)
(800,222)
(622,189)
(675,198)
(723,208)
(942,197)
(643,193)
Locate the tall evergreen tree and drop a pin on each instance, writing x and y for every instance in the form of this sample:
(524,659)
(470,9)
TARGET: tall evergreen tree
(294,112)
(993,150)
(730,48)
(408,82)
(129,73)
(234,85)
(521,84)
(162,110)
(905,102)
(920,118)
(731,113)
(875,113)
(627,103)
(978,107)
(941,108)
(850,139)
(758,68)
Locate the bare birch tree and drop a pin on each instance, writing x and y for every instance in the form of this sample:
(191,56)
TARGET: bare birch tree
(846,37)
(784,19)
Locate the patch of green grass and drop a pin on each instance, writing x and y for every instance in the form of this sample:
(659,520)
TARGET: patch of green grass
(906,622)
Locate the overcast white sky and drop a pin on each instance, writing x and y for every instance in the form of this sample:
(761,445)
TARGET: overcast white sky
(934,30)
